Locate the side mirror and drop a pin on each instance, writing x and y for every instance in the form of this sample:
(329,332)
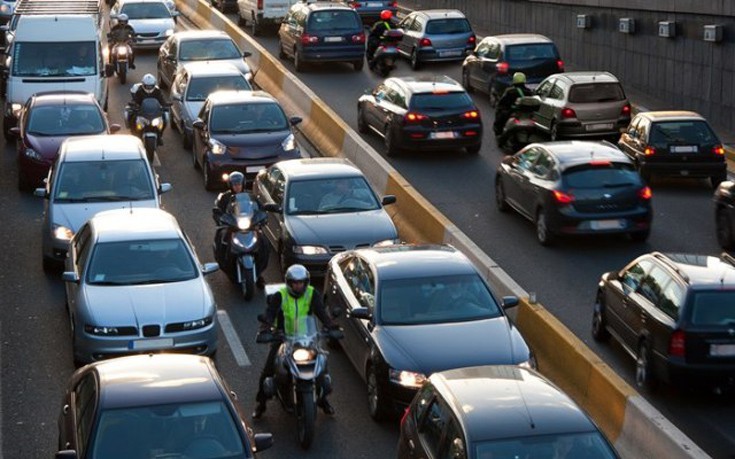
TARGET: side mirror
(294,120)
(510,301)
(66,454)
(388,199)
(263,441)
(171,58)
(272,207)
(15,130)
(209,268)
(40,192)
(198,124)
(359,313)
(164,188)
(70,276)
(246,54)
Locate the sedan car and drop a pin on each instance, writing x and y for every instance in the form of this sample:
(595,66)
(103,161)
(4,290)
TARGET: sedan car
(575,187)
(436,36)
(152,21)
(582,105)
(675,143)
(134,285)
(324,206)
(199,45)
(421,113)
(498,412)
(244,131)
(154,406)
(45,120)
(193,83)
(409,311)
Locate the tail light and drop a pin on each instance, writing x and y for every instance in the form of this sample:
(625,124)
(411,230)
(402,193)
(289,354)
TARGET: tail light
(718,150)
(677,344)
(645,193)
(626,110)
(649,151)
(560,65)
(405,414)
(359,38)
(471,41)
(502,68)
(412,117)
(355,4)
(307,39)
(424,43)
(568,113)
(394,5)
(260,4)
(600,162)
(471,115)
(563,198)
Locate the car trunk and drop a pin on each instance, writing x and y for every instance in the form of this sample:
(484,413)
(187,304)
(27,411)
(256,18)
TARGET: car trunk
(603,187)
(536,61)
(710,332)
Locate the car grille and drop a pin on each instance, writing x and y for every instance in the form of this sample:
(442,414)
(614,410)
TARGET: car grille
(151,330)
(148,35)
(341,248)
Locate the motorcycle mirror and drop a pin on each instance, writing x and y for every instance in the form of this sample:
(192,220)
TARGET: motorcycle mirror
(263,441)
(272,207)
(165,188)
(209,268)
(114,127)
(70,276)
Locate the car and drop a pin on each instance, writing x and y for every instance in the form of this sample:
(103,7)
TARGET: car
(675,315)
(45,120)
(152,21)
(262,14)
(674,143)
(158,405)
(435,36)
(322,32)
(134,285)
(499,411)
(491,65)
(312,222)
(408,311)
(421,113)
(582,105)
(724,199)
(92,174)
(575,187)
(244,131)
(199,45)
(369,11)
(224,5)
(193,83)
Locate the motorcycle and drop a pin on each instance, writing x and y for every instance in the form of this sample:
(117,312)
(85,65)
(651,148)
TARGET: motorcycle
(149,123)
(120,57)
(300,377)
(386,54)
(520,129)
(239,246)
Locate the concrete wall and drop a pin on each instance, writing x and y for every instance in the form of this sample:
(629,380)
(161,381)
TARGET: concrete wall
(683,72)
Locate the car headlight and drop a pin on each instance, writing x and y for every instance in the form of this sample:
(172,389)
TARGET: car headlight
(387,242)
(309,250)
(33,154)
(5,9)
(249,76)
(101,331)
(15,110)
(194,324)
(303,355)
(243,222)
(216,147)
(63,233)
(407,378)
(289,143)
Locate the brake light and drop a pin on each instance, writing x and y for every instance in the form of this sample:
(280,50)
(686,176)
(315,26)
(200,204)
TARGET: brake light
(626,110)
(718,150)
(307,39)
(394,5)
(355,4)
(502,68)
(600,162)
(472,114)
(405,414)
(649,151)
(411,117)
(425,42)
(563,198)
(560,65)
(359,38)
(471,40)
(471,133)
(260,4)
(677,344)
(645,193)
(568,113)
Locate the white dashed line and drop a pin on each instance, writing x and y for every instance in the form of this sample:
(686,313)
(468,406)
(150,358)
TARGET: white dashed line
(231,336)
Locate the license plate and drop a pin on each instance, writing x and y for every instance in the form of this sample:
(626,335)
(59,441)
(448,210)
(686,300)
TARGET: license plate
(374,4)
(684,149)
(254,168)
(722,350)
(599,127)
(442,135)
(450,53)
(333,39)
(606,224)
(148,344)
(684,173)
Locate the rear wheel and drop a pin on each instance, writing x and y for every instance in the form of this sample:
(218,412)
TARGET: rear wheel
(362,125)
(724,229)
(391,148)
(297,62)
(194,158)
(281,52)
(415,64)
(644,377)
(554,132)
(599,330)
(466,81)
(542,229)
(209,184)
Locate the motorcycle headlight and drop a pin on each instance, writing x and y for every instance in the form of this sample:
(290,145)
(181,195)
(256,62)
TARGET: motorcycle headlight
(387,242)
(407,378)
(156,122)
(194,324)
(217,148)
(309,250)
(5,9)
(101,331)
(122,50)
(63,233)
(33,154)
(244,222)
(303,355)
(289,143)
(140,123)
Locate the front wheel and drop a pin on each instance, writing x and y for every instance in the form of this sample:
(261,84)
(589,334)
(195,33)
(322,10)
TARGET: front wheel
(599,329)
(209,184)
(415,64)
(644,378)
(500,200)
(377,403)
(150,147)
(305,418)
(122,74)
(247,283)
(391,147)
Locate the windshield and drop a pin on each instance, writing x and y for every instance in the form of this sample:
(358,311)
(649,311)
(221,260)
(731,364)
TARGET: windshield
(714,308)
(602,176)
(145,11)
(182,430)
(333,20)
(201,87)
(246,118)
(436,299)
(96,181)
(62,120)
(441,101)
(523,53)
(51,59)
(685,132)
(140,262)
(596,92)
(330,196)
(586,445)
(448,26)
(203,50)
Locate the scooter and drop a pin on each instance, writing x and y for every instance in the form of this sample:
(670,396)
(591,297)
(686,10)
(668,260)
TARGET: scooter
(386,54)
(520,129)
(122,54)
(151,118)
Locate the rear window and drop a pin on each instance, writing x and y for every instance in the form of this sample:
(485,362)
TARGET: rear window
(610,175)
(534,52)
(448,26)
(714,308)
(334,20)
(438,101)
(697,132)
(596,92)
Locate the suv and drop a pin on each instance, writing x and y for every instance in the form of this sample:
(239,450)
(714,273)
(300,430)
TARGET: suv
(675,314)
(322,32)
(422,112)
(675,143)
(491,65)
(582,105)
(436,35)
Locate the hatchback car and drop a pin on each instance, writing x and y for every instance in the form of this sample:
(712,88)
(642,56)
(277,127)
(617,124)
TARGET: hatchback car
(675,315)
(193,83)
(322,32)
(134,284)
(435,36)
(45,120)
(92,174)
(575,187)
(370,10)
(199,45)
(724,199)
(244,131)
(152,21)
(421,113)
(498,412)
(324,206)
(409,311)
(493,62)
(582,104)
(674,143)
(154,406)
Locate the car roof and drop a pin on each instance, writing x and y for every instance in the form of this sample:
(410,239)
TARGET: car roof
(408,261)
(325,5)
(101,147)
(186,35)
(213,68)
(571,153)
(239,95)
(134,224)
(672,115)
(63,97)
(505,401)
(316,168)
(521,38)
(426,83)
(701,271)
(122,2)
(155,379)
(441,13)
(587,77)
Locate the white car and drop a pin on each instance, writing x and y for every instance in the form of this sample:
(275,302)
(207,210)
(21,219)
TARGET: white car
(152,21)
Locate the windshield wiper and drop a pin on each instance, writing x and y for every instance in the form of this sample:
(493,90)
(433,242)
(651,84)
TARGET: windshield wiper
(306,212)
(335,210)
(109,283)
(616,185)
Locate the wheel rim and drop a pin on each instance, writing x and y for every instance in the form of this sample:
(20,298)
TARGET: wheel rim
(641,366)
(205,173)
(414,58)
(541,230)
(372,388)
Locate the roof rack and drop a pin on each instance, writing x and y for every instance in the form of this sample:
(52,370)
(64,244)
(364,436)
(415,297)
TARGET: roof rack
(58,6)
(665,259)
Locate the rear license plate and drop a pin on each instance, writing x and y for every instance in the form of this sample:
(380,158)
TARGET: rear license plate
(683,149)
(452,53)
(442,135)
(684,173)
(333,39)
(606,224)
(374,4)
(254,168)
(148,344)
(722,350)
(598,127)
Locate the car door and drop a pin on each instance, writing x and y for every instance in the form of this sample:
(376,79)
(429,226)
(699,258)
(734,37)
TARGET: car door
(648,312)
(663,320)
(473,62)
(520,174)
(545,112)
(342,301)
(487,70)
(289,31)
(371,108)
(619,298)
(79,251)
(167,56)
(391,108)
(540,182)
(201,134)
(79,413)
(411,28)
(362,286)
(630,140)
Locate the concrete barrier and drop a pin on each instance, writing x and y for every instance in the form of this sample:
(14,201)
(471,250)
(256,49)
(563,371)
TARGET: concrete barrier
(631,423)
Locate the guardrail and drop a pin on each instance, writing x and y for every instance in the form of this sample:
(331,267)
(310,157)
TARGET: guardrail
(629,421)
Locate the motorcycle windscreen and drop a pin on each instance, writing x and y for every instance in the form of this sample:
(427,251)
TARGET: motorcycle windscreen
(150,108)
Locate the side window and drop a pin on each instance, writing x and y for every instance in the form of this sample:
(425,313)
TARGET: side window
(407,22)
(633,128)
(454,447)
(362,283)
(85,397)
(544,164)
(672,299)
(494,51)
(380,92)
(545,87)
(631,278)
(527,158)
(557,92)
(431,427)
(653,285)
(300,18)
(644,127)
(275,184)
(81,250)
(418,24)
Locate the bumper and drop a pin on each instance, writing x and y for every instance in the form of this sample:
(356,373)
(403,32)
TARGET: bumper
(315,264)
(570,222)
(344,55)
(426,139)
(685,169)
(443,55)
(249,167)
(149,43)
(700,374)
(579,130)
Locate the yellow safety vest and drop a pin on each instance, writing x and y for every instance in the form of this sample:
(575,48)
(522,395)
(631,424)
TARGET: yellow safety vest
(295,308)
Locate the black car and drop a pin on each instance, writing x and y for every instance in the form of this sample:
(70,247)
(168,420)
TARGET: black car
(322,32)
(675,315)
(369,10)
(411,310)
(244,131)
(324,206)
(498,411)
(491,65)
(156,405)
(575,187)
(674,143)
(725,214)
(225,5)
(421,113)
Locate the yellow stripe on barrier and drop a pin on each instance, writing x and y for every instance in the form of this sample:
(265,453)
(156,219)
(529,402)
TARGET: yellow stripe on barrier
(416,219)
(204,11)
(270,76)
(325,129)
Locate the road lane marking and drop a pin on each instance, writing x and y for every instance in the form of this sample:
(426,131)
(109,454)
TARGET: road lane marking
(232,339)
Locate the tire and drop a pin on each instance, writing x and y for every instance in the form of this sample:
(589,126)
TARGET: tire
(474,149)
(362,125)
(415,64)
(500,203)
(377,399)
(358,65)
(297,62)
(247,286)
(644,377)
(723,229)
(493,97)
(194,158)
(645,174)
(599,330)
(209,184)
(391,149)
(9,137)
(305,418)
(281,52)
(639,236)
(466,81)
(122,76)
(255,28)
(554,132)
(543,235)
(186,140)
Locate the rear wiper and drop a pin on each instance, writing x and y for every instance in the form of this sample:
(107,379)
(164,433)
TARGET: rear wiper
(616,185)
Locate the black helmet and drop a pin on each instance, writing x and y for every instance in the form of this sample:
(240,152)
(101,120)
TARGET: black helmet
(297,273)
(236,178)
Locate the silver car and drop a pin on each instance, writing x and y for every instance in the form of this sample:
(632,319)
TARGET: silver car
(152,21)
(436,35)
(134,284)
(193,83)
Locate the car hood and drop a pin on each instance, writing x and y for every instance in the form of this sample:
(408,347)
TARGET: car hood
(254,146)
(73,215)
(347,229)
(148,304)
(152,25)
(48,146)
(438,347)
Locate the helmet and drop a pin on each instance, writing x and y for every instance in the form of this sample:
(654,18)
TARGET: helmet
(122,19)
(386,15)
(236,178)
(149,83)
(297,273)
(519,78)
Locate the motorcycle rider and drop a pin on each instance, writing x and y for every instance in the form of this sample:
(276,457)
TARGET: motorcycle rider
(122,32)
(376,32)
(284,308)
(505,104)
(147,88)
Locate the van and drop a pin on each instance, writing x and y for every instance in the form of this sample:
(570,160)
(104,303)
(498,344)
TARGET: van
(52,53)
(262,13)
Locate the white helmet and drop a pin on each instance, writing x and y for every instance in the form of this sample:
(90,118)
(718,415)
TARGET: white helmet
(122,18)
(149,83)
(297,273)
